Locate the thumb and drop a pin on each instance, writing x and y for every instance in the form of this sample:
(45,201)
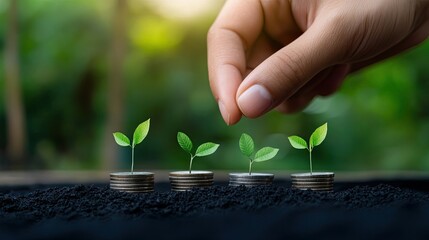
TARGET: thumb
(286,71)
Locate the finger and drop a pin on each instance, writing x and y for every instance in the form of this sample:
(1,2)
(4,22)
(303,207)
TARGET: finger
(333,81)
(286,71)
(295,104)
(263,48)
(236,28)
(324,84)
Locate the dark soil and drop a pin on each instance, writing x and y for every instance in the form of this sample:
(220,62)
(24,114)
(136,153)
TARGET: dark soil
(363,211)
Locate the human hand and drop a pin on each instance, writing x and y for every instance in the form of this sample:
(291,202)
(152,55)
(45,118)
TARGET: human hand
(281,54)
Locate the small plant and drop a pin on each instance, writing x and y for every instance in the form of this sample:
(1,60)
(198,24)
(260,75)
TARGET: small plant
(247,147)
(139,135)
(316,139)
(204,149)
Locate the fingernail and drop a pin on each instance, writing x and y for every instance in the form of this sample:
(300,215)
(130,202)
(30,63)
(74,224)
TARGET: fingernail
(224,112)
(255,101)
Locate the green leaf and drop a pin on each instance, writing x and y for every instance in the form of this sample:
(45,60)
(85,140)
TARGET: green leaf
(297,142)
(318,135)
(265,153)
(246,145)
(141,132)
(121,139)
(184,142)
(206,149)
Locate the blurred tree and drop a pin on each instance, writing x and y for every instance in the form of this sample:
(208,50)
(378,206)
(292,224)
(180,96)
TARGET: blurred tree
(14,107)
(115,84)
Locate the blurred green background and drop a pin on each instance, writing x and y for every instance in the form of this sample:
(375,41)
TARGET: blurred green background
(73,52)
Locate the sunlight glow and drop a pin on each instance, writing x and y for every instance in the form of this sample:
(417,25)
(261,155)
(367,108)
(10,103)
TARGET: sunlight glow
(185,9)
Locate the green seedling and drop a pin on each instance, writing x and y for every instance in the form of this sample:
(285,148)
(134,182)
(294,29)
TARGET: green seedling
(204,149)
(316,139)
(247,147)
(139,135)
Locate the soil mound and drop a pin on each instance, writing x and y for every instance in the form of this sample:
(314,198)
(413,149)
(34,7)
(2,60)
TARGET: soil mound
(220,212)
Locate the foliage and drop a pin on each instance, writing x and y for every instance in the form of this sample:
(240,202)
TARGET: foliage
(204,149)
(316,138)
(247,148)
(139,135)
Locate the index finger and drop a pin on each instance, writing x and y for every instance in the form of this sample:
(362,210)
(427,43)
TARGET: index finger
(234,31)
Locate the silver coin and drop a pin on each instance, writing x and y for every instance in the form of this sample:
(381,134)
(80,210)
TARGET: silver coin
(248,185)
(132,179)
(132,182)
(253,175)
(182,188)
(183,180)
(317,181)
(190,185)
(132,175)
(250,177)
(245,183)
(313,175)
(133,189)
(192,174)
(131,185)
(141,186)
(191,181)
(313,180)
(252,180)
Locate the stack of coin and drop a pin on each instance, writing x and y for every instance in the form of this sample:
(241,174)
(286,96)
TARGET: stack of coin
(136,182)
(317,181)
(184,181)
(250,180)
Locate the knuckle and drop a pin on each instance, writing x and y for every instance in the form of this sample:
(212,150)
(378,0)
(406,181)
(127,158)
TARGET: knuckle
(290,69)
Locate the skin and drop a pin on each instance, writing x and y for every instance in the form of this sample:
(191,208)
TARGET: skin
(266,54)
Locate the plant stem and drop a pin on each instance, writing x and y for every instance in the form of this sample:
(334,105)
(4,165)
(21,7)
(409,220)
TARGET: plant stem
(250,167)
(311,165)
(190,164)
(132,160)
